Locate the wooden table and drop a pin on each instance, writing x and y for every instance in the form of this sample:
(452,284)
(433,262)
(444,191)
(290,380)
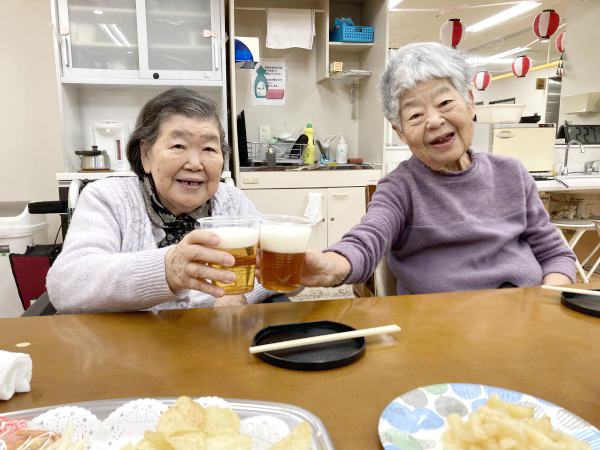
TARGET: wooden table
(520,339)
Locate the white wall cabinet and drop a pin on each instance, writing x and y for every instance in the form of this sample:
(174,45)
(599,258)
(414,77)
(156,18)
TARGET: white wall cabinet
(113,56)
(140,39)
(341,209)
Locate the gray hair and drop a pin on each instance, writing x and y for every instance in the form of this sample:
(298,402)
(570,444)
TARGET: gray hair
(415,63)
(172,102)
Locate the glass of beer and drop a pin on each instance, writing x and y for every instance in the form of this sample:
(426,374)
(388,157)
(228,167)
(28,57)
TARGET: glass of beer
(283,241)
(239,237)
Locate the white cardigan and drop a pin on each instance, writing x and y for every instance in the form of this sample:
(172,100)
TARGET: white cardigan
(110,259)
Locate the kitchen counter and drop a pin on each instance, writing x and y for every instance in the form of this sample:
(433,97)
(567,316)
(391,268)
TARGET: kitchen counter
(311,168)
(70,176)
(575,183)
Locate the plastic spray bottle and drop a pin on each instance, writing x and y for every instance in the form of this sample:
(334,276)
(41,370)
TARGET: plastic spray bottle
(309,151)
(341,151)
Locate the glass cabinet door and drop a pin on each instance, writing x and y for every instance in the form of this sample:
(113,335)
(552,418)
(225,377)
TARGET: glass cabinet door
(100,38)
(183,39)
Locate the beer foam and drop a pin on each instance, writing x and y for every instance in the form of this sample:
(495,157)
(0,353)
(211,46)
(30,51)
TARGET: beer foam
(284,238)
(236,237)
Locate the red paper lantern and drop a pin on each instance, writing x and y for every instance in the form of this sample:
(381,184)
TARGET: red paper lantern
(546,23)
(521,65)
(482,80)
(452,33)
(560,42)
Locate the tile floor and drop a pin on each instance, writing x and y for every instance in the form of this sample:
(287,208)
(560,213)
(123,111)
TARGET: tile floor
(343,291)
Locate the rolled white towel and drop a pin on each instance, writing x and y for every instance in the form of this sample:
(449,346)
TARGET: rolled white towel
(15,373)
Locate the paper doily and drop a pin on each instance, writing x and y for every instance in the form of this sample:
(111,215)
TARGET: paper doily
(128,422)
(84,422)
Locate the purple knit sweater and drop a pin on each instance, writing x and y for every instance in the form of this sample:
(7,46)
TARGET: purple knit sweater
(474,229)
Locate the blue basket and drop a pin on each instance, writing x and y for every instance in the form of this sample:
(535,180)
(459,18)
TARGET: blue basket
(347,33)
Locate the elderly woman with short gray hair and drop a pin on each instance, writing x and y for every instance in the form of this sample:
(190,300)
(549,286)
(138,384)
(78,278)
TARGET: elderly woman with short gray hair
(448,219)
(133,242)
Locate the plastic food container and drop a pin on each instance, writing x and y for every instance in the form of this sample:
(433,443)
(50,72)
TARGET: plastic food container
(503,113)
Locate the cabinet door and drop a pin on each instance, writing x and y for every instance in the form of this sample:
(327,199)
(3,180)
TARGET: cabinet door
(345,207)
(98,39)
(181,39)
(292,202)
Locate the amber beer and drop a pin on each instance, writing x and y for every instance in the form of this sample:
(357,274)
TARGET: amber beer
(283,242)
(239,237)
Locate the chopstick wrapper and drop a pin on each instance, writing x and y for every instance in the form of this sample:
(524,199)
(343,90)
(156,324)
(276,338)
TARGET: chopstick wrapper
(15,373)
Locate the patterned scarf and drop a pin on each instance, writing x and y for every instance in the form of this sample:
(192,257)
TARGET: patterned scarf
(175,227)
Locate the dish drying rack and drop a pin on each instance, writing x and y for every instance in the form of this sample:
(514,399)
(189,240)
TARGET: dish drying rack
(287,151)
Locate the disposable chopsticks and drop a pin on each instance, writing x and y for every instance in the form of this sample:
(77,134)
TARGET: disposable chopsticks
(571,290)
(324,338)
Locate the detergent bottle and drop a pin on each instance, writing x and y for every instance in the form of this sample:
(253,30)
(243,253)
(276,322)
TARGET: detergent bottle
(309,151)
(341,151)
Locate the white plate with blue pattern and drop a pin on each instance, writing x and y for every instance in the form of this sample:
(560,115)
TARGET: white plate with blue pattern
(417,420)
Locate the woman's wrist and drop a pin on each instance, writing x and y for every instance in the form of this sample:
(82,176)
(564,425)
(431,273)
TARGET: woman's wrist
(338,268)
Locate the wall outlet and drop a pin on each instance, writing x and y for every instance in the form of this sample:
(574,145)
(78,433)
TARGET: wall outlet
(264,133)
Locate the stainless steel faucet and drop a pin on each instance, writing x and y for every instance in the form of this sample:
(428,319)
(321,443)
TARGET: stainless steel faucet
(565,170)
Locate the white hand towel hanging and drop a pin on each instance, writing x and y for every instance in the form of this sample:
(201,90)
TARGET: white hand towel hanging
(15,373)
(288,28)
(313,208)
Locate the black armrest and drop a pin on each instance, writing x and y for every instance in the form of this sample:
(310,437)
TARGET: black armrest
(277,298)
(41,307)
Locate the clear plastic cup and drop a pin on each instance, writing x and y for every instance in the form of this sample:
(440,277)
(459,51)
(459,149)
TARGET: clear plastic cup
(282,245)
(239,238)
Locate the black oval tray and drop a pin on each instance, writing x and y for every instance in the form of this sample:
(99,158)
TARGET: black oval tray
(586,304)
(327,355)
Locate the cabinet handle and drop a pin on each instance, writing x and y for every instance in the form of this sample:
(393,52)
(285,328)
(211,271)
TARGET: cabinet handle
(67,51)
(341,194)
(216,54)
(505,135)
(322,220)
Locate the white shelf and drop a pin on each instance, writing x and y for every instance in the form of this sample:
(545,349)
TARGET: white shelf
(98,82)
(350,75)
(349,47)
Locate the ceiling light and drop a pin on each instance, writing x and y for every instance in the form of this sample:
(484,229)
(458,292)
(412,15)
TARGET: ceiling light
(506,53)
(504,15)
(479,62)
(97,11)
(393,3)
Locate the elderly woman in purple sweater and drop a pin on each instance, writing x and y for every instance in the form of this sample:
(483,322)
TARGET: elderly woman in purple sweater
(448,219)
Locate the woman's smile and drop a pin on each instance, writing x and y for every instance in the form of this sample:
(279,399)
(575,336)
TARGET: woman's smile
(444,141)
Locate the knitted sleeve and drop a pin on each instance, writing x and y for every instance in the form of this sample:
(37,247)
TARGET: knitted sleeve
(93,273)
(542,236)
(366,243)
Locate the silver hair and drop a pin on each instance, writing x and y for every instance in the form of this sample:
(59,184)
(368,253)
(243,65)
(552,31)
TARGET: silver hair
(415,63)
(174,101)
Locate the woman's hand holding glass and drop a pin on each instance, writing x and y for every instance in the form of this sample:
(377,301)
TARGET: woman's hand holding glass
(324,269)
(187,264)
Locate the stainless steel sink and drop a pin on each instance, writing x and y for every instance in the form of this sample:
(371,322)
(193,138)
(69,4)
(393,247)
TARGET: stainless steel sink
(573,175)
(312,167)
(338,167)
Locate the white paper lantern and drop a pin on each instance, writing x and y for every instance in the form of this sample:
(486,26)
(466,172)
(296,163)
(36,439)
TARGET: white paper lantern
(546,23)
(482,80)
(452,33)
(521,66)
